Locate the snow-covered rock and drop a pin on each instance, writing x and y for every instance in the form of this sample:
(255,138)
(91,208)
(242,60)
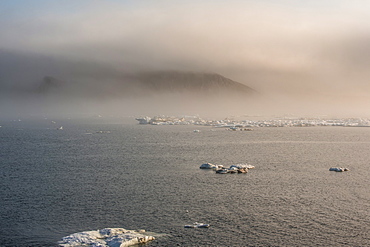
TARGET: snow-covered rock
(107,237)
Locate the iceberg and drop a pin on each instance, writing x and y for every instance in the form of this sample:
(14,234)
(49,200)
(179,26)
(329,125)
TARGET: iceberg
(107,237)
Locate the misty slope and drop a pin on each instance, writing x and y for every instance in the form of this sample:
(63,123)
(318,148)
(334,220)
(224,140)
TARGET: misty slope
(49,83)
(149,83)
(55,76)
(36,84)
(196,82)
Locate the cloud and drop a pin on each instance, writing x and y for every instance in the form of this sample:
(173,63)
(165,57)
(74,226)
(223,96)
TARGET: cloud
(211,34)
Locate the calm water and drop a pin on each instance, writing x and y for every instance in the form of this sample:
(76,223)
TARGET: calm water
(58,182)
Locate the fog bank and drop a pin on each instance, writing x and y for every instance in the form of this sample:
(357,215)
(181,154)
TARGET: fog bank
(303,58)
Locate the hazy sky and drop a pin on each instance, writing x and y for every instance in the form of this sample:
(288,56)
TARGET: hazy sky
(308,50)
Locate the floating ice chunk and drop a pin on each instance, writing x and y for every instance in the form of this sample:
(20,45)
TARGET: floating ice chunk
(197,225)
(108,237)
(207,166)
(103,132)
(338,169)
(82,238)
(240,166)
(210,166)
(222,171)
(233,170)
(144,120)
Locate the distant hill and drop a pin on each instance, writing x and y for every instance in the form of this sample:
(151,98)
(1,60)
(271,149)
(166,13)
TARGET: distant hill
(148,83)
(175,81)
(35,75)
(49,83)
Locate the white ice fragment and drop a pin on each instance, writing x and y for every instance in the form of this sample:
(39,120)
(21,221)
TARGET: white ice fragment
(338,169)
(241,166)
(107,237)
(207,166)
(210,166)
(197,225)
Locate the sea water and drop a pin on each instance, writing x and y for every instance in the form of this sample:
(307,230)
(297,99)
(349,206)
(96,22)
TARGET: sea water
(98,173)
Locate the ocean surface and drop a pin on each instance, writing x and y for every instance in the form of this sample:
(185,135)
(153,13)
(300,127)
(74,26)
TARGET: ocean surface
(98,173)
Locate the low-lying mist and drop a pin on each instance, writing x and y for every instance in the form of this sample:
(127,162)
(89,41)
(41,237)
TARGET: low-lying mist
(25,104)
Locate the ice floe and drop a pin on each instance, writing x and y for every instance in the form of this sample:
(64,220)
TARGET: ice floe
(234,124)
(107,237)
